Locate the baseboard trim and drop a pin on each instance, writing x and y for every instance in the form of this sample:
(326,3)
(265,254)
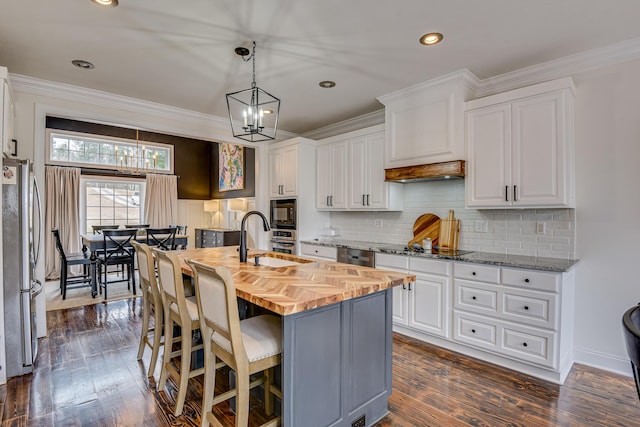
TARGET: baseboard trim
(607,362)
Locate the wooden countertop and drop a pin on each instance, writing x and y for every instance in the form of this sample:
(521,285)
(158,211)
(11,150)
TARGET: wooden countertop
(293,289)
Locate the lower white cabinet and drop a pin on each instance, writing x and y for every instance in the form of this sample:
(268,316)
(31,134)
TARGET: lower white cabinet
(518,318)
(323,253)
(424,304)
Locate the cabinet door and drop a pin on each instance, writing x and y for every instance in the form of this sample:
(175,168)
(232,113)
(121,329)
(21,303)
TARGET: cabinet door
(358,173)
(323,176)
(289,168)
(539,151)
(377,188)
(7,116)
(400,314)
(488,133)
(429,305)
(339,175)
(275,173)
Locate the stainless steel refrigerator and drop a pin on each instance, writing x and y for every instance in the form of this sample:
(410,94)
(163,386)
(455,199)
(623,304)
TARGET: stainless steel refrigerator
(21,222)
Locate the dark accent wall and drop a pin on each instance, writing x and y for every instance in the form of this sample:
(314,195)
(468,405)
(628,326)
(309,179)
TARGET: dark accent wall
(195,161)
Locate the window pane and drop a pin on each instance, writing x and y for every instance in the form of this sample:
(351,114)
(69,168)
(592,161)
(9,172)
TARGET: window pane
(111,202)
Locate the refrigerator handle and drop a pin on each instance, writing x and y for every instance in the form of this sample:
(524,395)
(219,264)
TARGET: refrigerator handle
(36,288)
(37,191)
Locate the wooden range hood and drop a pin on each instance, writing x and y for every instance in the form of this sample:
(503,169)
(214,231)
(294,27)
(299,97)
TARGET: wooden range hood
(429,172)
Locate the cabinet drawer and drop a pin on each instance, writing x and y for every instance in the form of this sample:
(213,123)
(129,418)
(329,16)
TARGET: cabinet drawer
(531,279)
(482,273)
(423,265)
(478,333)
(476,297)
(532,346)
(530,308)
(319,251)
(394,262)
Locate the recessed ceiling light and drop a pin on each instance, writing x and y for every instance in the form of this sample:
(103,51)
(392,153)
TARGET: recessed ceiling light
(327,84)
(85,65)
(111,3)
(431,39)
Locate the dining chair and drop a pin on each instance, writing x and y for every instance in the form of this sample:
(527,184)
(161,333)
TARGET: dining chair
(631,329)
(97,229)
(162,238)
(182,231)
(118,250)
(151,303)
(247,346)
(183,312)
(69,260)
(137,226)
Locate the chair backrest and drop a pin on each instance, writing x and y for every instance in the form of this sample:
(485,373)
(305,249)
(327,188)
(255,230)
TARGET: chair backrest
(137,226)
(56,235)
(97,229)
(171,285)
(218,306)
(163,238)
(118,242)
(147,273)
(180,229)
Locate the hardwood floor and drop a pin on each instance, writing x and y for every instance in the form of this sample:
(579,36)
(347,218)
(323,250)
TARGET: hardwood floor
(87,375)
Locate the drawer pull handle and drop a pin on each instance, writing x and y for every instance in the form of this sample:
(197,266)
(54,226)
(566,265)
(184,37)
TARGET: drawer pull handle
(524,344)
(526,280)
(526,307)
(473,297)
(473,273)
(473,331)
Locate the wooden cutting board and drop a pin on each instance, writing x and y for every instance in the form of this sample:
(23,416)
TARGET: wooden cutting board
(449,232)
(427,225)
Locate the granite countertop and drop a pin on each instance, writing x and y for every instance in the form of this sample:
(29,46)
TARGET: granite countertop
(294,288)
(502,260)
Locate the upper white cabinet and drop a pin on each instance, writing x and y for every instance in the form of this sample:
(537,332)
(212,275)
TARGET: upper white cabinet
(283,171)
(7,113)
(331,176)
(350,173)
(520,148)
(425,122)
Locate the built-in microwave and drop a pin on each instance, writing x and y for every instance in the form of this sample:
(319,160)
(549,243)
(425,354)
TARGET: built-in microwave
(283,213)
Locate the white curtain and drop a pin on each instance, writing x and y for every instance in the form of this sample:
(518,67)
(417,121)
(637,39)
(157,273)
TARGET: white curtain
(62,211)
(161,200)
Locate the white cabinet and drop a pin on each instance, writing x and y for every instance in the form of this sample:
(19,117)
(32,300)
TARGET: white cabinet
(425,122)
(283,171)
(351,169)
(520,314)
(7,113)
(423,305)
(322,253)
(520,150)
(331,176)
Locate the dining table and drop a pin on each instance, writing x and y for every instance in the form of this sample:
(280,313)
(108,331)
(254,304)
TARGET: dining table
(95,242)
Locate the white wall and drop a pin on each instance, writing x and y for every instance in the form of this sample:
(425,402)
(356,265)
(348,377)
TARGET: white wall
(607,211)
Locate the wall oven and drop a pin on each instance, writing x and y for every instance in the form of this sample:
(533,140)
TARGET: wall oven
(283,214)
(283,241)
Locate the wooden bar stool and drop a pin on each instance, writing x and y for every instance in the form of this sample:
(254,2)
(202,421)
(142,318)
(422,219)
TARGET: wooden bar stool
(182,311)
(248,346)
(151,302)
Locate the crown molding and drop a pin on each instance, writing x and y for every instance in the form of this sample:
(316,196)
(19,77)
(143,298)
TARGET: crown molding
(590,60)
(360,122)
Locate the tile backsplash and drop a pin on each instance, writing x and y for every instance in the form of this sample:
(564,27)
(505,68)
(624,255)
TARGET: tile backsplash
(510,231)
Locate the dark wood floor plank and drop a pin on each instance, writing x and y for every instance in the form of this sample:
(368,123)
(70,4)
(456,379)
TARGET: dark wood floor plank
(87,374)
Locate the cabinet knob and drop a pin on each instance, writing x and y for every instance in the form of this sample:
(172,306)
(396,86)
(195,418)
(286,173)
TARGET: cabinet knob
(473,331)
(316,251)
(473,297)
(526,280)
(526,307)
(524,344)
(473,273)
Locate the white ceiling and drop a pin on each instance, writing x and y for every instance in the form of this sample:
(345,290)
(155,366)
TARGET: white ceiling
(181,53)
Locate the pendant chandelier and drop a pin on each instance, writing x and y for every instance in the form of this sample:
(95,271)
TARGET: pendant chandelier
(136,161)
(253,112)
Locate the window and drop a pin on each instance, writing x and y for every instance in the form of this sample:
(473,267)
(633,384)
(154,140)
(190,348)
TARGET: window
(103,152)
(111,201)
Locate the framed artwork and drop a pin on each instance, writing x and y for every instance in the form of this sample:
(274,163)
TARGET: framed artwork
(231,167)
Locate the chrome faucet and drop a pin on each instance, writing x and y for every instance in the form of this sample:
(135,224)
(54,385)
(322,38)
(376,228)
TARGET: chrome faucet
(243,235)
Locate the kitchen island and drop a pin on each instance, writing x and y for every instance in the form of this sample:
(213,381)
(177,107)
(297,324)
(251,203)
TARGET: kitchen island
(337,336)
